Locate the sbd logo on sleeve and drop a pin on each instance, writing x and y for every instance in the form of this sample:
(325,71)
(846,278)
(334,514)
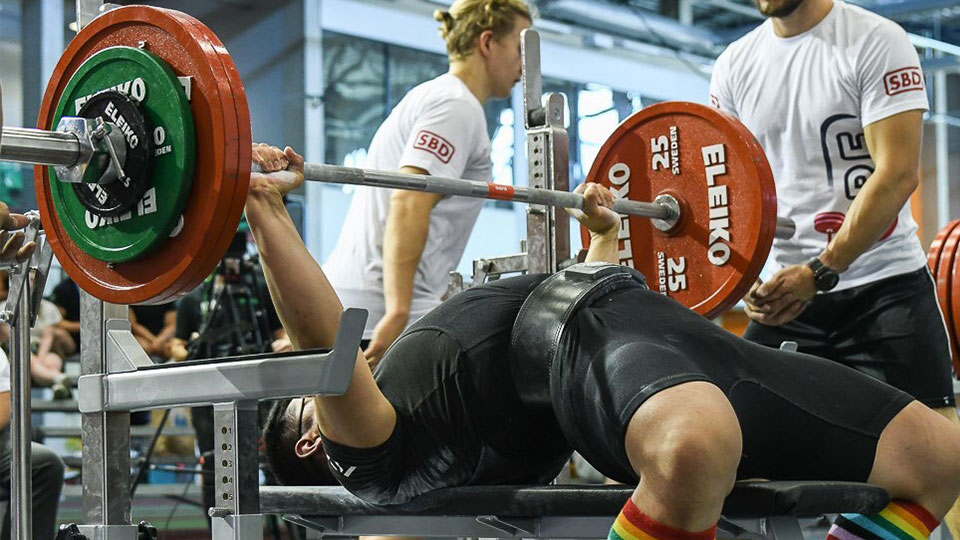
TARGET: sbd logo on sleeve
(435,144)
(903,80)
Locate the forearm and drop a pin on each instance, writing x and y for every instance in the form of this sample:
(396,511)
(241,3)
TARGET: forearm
(4,410)
(404,239)
(166,333)
(305,301)
(604,248)
(46,340)
(870,215)
(70,326)
(141,331)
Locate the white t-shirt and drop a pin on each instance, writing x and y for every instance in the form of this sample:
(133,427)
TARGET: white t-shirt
(48,315)
(806,98)
(440,127)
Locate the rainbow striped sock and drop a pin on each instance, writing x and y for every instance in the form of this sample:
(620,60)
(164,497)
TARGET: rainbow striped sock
(633,524)
(900,520)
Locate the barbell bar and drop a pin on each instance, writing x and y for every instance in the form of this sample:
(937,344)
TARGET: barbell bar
(39,146)
(664,207)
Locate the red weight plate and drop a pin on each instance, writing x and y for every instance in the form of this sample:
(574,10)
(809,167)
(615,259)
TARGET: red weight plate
(945,282)
(226,217)
(936,247)
(933,261)
(717,170)
(241,178)
(954,294)
(171,269)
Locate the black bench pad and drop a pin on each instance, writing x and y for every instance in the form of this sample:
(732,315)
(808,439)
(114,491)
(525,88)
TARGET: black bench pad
(749,499)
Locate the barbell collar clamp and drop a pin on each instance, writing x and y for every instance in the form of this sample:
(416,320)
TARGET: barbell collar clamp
(70,149)
(105,138)
(672,205)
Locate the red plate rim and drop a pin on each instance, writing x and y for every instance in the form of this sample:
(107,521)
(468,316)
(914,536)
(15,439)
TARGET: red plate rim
(936,246)
(953,297)
(945,281)
(244,142)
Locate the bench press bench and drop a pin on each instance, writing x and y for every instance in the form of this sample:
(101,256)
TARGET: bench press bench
(754,510)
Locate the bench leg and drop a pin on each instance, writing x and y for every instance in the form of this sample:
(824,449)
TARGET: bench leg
(782,528)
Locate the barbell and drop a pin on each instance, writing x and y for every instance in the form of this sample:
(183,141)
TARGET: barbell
(143,158)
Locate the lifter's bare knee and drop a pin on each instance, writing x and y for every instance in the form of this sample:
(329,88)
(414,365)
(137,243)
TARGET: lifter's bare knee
(918,459)
(685,445)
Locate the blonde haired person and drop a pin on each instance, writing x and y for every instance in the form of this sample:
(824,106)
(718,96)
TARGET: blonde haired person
(397,248)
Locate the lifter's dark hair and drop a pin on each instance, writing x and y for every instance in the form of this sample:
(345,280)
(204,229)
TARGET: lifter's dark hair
(279,439)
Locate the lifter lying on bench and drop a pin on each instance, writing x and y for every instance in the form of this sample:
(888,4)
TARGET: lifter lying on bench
(499,384)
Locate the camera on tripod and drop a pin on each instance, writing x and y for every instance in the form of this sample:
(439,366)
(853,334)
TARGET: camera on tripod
(236,314)
(237,260)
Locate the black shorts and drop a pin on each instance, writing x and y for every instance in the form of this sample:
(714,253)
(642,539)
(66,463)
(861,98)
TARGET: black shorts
(802,417)
(891,329)
(459,420)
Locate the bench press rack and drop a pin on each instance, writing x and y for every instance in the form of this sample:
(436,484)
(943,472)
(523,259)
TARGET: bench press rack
(118,377)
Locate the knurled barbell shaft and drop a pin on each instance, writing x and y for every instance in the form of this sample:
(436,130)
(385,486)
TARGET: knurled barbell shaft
(38,147)
(319,172)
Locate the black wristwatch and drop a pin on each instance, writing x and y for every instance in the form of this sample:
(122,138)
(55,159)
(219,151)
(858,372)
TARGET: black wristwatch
(824,277)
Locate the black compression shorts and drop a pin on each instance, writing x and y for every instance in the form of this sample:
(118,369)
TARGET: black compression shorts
(801,417)
(891,329)
(460,421)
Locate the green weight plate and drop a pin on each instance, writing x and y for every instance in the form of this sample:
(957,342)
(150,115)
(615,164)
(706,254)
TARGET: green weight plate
(161,99)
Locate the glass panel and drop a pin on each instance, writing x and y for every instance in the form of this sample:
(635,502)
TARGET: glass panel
(597,120)
(354,97)
(408,68)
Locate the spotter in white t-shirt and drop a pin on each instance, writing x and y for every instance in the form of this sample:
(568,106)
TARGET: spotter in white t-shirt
(807,99)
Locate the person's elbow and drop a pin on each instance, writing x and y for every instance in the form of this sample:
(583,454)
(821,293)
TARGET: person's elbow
(906,182)
(411,204)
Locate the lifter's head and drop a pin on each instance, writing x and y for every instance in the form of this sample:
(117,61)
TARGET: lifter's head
(292,444)
(486,35)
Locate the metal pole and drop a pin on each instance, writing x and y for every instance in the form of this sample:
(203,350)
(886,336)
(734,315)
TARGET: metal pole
(106,435)
(38,147)
(20,477)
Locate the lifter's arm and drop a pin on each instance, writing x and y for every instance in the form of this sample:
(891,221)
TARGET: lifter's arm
(308,306)
(602,222)
(305,301)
